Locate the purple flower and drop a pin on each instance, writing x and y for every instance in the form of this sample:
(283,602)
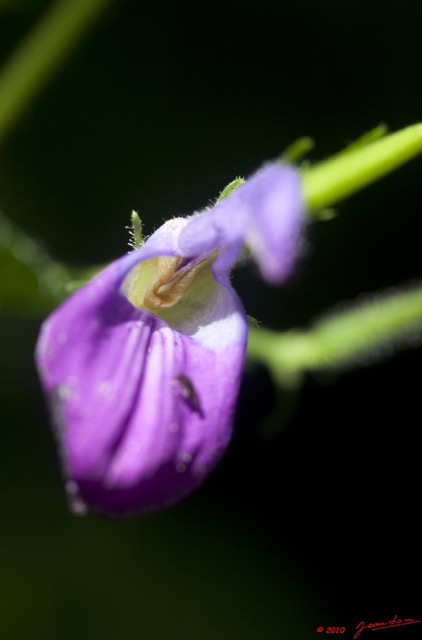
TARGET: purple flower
(141,367)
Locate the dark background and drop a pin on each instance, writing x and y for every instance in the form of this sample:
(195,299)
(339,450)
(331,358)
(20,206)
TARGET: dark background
(160,108)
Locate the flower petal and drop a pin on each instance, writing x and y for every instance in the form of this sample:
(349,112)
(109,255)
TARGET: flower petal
(142,411)
(265,213)
(143,403)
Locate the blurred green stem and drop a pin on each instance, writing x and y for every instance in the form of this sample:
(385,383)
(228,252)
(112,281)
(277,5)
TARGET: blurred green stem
(40,55)
(31,282)
(338,340)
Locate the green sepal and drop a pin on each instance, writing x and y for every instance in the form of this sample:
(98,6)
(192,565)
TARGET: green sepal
(228,190)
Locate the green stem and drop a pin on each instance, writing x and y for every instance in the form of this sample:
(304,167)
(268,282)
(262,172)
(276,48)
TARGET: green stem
(41,54)
(336,341)
(345,173)
(32,283)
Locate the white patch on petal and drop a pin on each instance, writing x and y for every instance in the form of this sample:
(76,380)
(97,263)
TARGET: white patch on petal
(76,504)
(104,389)
(63,393)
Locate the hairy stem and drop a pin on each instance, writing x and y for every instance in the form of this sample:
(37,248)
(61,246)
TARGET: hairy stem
(368,329)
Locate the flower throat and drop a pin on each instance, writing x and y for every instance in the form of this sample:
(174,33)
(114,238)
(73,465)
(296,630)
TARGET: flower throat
(160,283)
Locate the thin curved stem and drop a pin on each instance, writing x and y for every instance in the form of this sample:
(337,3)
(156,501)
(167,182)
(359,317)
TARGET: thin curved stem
(357,333)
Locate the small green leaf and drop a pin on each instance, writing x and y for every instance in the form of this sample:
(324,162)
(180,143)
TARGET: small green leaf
(367,138)
(297,150)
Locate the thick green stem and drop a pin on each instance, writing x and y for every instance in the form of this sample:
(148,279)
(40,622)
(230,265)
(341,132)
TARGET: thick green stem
(41,54)
(347,172)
